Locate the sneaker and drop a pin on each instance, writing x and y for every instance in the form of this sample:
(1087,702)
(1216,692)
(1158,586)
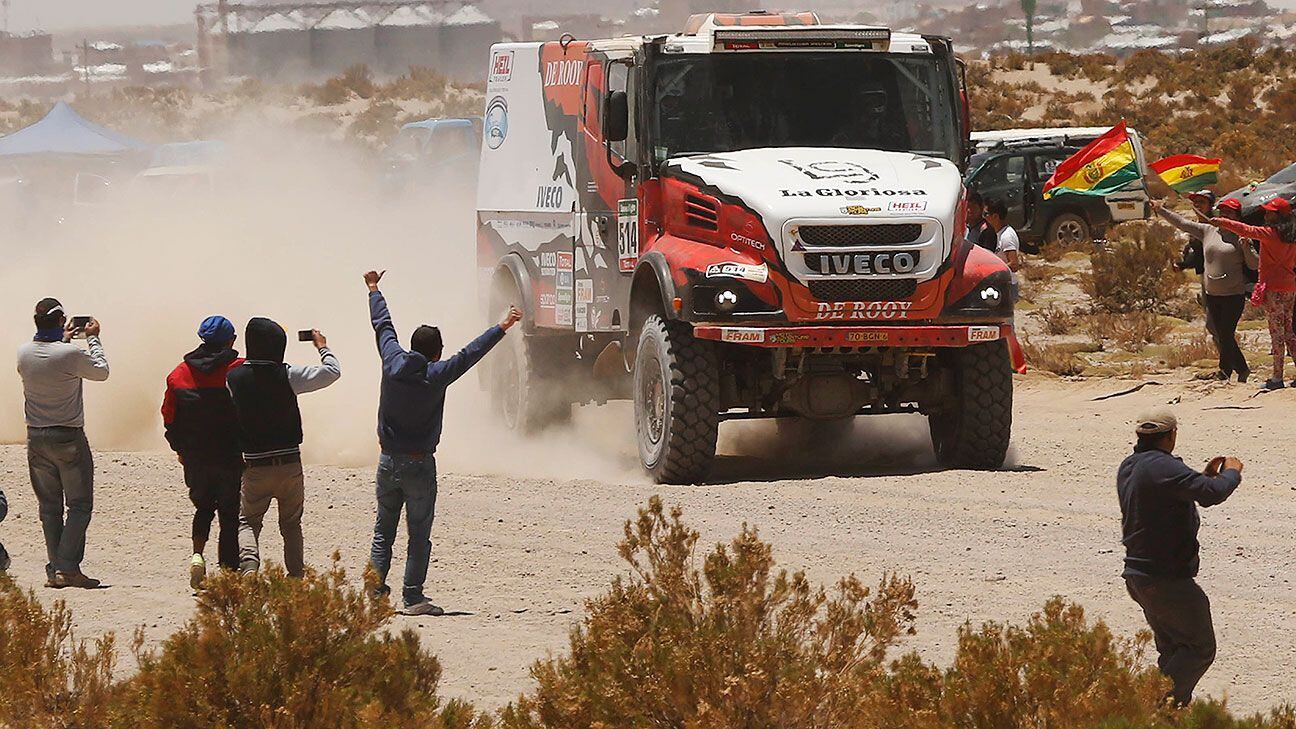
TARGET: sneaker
(1243,375)
(4,559)
(423,608)
(381,591)
(1222,376)
(1271,385)
(197,571)
(74,579)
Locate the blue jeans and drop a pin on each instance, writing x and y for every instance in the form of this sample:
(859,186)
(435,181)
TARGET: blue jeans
(408,482)
(62,475)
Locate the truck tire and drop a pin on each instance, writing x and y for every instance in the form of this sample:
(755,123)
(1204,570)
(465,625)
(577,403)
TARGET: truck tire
(1068,229)
(676,402)
(974,430)
(526,391)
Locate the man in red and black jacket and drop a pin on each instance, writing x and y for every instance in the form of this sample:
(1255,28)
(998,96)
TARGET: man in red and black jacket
(202,428)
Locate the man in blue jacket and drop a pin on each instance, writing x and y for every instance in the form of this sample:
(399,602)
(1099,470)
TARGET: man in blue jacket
(411,408)
(1159,495)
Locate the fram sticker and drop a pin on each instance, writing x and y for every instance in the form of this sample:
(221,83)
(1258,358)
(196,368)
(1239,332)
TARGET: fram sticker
(983,334)
(907,206)
(759,274)
(584,291)
(742,335)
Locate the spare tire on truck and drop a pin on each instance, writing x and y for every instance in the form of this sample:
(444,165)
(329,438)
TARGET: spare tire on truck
(974,427)
(676,402)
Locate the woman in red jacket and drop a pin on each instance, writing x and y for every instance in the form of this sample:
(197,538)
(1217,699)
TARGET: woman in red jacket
(1277,286)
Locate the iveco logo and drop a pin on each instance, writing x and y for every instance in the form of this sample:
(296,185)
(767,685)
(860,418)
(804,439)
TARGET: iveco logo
(848,172)
(866,264)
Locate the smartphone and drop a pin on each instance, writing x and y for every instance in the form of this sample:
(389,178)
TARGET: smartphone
(79,324)
(305,335)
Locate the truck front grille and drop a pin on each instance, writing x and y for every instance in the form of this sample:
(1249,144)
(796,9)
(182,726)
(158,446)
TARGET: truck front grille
(891,289)
(851,236)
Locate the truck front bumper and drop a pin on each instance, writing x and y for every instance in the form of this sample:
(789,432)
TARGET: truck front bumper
(855,337)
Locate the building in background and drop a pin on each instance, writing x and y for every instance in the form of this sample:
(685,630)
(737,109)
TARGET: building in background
(305,40)
(22,55)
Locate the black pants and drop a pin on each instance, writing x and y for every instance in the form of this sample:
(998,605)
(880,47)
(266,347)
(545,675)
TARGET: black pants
(1179,614)
(1222,316)
(214,491)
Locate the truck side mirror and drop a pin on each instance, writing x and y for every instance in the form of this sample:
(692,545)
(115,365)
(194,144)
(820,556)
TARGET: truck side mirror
(616,117)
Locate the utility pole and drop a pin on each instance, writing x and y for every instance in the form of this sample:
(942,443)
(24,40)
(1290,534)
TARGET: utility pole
(85,62)
(4,15)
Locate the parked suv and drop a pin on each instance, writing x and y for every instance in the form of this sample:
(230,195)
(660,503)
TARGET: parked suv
(1013,165)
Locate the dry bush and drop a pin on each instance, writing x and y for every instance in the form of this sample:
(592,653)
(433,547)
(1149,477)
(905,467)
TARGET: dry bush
(733,644)
(420,83)
(47,678)
(1057,671)
(1195,349)
(1056,358)
(1135,271)
(1137,329)
(1055,319)
(267,650)
(354,83)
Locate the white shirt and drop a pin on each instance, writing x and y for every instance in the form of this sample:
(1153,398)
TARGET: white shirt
(1008,241)
(51,375)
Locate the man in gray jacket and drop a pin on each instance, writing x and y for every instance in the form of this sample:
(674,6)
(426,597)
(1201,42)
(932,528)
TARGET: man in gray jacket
(58,454)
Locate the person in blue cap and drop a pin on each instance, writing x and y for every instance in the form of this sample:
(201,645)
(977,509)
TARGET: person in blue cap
(202,428)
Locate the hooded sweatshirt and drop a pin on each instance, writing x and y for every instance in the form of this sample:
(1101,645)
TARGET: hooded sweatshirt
(197,410)
(411,406)
(265,392)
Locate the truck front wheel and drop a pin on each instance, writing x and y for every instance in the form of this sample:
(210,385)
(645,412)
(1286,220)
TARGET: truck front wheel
(676,402)
(975,426)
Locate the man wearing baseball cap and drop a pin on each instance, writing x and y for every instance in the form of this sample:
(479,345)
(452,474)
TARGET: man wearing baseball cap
(202,428)
(58,455)
(1277,287)
(1159,495)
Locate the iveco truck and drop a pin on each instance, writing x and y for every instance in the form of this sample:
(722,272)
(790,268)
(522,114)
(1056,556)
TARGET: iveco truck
(762,216)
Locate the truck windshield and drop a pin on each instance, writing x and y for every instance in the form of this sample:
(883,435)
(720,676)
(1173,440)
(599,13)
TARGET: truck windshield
(723,102)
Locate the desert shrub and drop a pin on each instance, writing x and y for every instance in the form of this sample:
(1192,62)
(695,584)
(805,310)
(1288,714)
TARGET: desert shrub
(732,644)
(1057,671)
(1191,350)
(355,82)
(1137,329)
(49,678)
(1135,271)
(376,125)
(1056,320)
(420,83)
(270,651)
(1056,358)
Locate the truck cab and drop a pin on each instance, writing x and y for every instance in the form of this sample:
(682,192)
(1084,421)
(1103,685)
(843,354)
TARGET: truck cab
(432,155)
(760,217)
(1013,166)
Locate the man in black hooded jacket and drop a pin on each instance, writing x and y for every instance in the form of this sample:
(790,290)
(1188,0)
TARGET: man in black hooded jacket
(202,429)
(265,394)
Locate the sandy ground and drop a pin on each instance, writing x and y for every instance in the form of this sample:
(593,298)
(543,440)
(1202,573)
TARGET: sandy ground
(515,556)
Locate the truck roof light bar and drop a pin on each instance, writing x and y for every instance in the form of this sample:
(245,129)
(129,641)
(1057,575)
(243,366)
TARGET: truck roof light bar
(809,39)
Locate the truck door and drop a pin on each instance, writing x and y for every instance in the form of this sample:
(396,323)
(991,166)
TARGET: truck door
(1004,178)
(607,219)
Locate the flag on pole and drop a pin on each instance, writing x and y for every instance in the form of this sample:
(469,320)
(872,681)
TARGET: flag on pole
(1187,172)
(1105,165)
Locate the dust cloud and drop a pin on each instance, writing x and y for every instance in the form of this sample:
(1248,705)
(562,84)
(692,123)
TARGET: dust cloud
(288,233)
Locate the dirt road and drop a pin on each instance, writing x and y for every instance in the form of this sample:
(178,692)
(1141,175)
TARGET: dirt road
(515,555)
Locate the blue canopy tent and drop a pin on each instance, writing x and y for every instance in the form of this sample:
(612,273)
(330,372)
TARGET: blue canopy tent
(63,132)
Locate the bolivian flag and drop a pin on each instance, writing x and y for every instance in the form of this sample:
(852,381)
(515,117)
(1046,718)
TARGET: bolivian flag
(1187,172)
(1105,165)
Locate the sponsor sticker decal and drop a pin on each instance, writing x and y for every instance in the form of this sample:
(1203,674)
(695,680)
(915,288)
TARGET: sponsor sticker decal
(584,291)
(549,196)
(983,334)
(852,192)
(907,206)
(501,66)
(495,126)
(741,335)
(862,310)
(747,241)
(747,272)
(859,210)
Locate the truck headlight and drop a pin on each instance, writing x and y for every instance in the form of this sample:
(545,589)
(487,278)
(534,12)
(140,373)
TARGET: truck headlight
(991,296)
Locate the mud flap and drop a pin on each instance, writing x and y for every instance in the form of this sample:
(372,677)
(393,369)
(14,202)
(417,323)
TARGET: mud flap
(1015,353)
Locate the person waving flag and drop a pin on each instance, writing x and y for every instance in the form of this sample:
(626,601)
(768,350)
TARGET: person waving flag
(1186,173)
(1103,166)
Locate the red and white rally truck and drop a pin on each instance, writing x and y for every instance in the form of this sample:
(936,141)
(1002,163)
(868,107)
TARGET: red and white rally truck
(762,216)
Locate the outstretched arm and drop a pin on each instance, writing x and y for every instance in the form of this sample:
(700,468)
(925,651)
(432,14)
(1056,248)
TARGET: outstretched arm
(1196,230)
(384,330)
(1207,490)
(1258,232)
(309,378)
(448,370)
